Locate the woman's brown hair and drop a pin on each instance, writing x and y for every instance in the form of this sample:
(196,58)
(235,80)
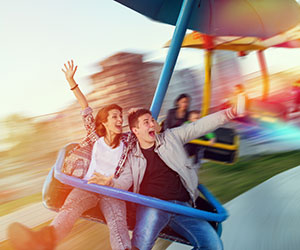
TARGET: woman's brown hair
(101,118)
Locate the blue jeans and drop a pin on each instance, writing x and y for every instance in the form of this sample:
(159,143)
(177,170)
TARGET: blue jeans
(79,201)
(150,221)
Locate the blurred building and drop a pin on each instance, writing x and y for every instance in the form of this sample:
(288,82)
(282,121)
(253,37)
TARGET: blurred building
(125,79)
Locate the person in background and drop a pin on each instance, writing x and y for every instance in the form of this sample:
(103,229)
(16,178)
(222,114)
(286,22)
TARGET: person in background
(232,98)
(296,90)
(196,150)
(178,115)
(102,153)
(240,89)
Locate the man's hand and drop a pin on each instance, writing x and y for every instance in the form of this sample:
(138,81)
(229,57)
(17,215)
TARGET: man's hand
(133,110)
(157,127)
(101,179)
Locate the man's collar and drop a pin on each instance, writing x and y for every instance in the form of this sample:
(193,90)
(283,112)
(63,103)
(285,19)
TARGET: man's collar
(138,152)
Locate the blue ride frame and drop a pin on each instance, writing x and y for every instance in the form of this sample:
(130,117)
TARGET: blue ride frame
(220,216)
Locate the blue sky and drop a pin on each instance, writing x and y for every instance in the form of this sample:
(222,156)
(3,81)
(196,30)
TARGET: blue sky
(37,37)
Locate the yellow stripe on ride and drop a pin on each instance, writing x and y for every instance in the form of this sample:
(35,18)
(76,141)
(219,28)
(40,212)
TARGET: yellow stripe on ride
(214,145)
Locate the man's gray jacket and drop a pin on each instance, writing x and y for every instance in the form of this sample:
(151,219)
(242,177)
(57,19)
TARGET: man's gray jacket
(169,147)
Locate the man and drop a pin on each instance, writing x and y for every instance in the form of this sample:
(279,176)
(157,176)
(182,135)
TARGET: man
(159,167)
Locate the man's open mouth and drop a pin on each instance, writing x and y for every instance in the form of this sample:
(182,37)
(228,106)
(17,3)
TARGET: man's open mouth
(152,133)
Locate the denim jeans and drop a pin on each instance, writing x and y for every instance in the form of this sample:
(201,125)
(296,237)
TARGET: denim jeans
(150,221)
(79,201)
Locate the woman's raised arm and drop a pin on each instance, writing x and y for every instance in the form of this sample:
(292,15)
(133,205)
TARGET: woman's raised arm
(70,71)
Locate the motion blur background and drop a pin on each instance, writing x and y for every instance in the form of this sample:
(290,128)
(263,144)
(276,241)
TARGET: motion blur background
(119,54)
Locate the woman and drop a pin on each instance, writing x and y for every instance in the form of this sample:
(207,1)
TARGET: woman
(104,151)
(178,115)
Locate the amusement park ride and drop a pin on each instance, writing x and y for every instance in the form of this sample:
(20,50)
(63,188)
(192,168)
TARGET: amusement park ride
(263,19)
(225,150)
(243,46)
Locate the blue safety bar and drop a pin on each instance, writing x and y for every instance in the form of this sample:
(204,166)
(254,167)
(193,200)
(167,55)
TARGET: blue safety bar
(220,216)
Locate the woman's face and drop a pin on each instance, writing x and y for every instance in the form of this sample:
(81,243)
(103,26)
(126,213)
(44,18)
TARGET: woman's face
(183,103)
(114,121)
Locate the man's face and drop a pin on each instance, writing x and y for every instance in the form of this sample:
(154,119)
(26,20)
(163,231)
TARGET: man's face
(145,131)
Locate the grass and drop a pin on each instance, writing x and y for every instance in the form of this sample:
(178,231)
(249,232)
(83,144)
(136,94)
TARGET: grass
(228,181)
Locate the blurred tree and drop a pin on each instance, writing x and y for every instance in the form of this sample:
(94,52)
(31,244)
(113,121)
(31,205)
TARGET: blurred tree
(20,131)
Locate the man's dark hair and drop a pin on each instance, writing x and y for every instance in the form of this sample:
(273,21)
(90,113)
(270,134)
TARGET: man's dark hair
(134,116)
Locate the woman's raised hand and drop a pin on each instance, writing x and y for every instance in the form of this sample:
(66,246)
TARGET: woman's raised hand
(69,70)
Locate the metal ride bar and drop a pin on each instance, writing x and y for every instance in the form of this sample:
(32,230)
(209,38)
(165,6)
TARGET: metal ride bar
(220,216)
(167,71)
(215,145)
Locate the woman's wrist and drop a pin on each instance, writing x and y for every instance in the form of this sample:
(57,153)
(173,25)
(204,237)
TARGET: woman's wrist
(74,87)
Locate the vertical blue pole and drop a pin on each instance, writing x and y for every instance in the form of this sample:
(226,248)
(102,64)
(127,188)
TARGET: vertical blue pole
(171,59)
